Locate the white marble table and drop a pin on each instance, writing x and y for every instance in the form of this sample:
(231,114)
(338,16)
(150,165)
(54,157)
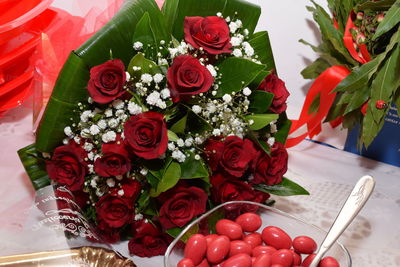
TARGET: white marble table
(329,174)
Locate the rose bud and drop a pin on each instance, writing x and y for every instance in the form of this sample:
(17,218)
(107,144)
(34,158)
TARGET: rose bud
(380,17)
(360,38)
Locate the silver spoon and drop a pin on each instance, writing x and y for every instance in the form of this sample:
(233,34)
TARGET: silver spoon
(354,203)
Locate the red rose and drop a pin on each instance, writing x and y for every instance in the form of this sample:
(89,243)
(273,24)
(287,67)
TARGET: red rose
(116,210)
(260,169)
(143,227)
(234,156)
(187,77)
(131,189)
(67,166)
(276,86)
(226,188)
(180,205)
(148,246)
(107,81)
(210,33)
(146,134)
(115,160)
(277,166)
(214,148)
(108,234)
(70,200)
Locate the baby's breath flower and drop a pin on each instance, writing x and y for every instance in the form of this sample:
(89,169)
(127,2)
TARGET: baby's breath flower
(137,45)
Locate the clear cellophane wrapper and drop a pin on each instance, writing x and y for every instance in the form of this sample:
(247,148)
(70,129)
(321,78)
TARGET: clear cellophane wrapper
(56,233)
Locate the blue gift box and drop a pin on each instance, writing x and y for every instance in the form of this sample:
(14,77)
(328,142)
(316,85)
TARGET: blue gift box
(386,146)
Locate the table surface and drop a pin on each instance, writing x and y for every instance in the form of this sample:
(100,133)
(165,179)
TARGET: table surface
(373,239)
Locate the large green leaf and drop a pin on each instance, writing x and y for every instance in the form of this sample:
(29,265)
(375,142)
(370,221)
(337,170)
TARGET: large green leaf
(392,18)
(382,89)
(180,125)
(34,166)
(262,47)
(71,84)
(376,5)
(284,125)
(260,101)
(260,120)
(146,66)
(237,73)
(359,77)
(61,111)
(169,178)
(194,169)
(285,188)
(357,99)
(176,10)
(313,70)
(117,34)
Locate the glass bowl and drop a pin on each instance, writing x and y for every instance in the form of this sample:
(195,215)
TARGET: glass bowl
(205,224)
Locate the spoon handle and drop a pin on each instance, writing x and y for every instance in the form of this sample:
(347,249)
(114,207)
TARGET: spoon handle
(354,203)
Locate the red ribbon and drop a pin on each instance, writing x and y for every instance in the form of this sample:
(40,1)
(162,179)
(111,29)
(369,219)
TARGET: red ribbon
(362,57)
(324,86)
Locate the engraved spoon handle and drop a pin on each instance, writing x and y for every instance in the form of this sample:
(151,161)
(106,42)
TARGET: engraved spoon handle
(354,203)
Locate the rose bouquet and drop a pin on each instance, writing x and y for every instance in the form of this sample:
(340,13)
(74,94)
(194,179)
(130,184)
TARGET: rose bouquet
(162,115)
(357,79)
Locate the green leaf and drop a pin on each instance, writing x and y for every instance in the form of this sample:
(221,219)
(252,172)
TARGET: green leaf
(359,77)
(143,200)
(179,126)
(176,10)
(284,125)
(383,88)
(396,101)
(262,47)
(200,126)
(260,101)
(392,18)
(259,78)
(146,66)
(376,5)
(313,70)
(34,166)
(237,73)
(144,34)
(285,188)
(174,232)
(153,178)
(358,98)
(260,120)
(117,34)
(329,33)
(194,169)
(261,144)
(170,177)
(172,136)
(336,110)
(70,87)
